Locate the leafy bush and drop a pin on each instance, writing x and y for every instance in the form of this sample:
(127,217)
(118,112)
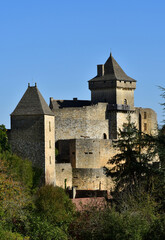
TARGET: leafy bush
(21,170)
(54,205)
(109,224)
(40,229)
(8,235)
(157,229)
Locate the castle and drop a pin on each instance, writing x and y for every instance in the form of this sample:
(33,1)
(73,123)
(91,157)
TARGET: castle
(81,130)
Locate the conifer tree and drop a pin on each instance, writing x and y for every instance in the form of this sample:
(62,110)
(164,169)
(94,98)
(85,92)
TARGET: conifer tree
(132,165)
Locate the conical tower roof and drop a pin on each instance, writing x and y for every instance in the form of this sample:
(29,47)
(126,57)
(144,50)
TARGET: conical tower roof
(113,71)
(32,103)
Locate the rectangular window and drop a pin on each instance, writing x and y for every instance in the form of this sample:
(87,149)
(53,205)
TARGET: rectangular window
(50,160)
(49,143)
(49,126)
(145,115)
(145,126)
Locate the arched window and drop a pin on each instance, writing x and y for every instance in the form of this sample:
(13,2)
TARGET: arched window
(104,136)
(125,101)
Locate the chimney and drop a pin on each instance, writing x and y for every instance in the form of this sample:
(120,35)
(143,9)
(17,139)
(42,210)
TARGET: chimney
(100,70)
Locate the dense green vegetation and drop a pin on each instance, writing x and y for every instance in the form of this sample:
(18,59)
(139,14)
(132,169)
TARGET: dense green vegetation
(135,212)
(28,211)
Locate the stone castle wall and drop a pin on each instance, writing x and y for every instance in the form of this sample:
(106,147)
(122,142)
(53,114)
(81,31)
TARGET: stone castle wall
(125,94)
(91,179)
(63,175)
(84,122)
(123,118)
(49,129)
(87,153)
(31,138)
(28,140)
(148,120)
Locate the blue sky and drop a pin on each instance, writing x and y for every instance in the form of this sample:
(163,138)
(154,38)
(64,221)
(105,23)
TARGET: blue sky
(58,44)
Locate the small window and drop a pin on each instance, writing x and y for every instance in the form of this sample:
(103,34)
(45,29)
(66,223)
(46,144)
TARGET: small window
(90,152)
(104,136)
(49,126)
(62,169)
(50,144)
(145,115)
(145,126)
(125,101)
(86,152)
(50,160)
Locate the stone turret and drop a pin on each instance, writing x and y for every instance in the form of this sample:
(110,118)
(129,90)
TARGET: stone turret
(32,132)
(113,86)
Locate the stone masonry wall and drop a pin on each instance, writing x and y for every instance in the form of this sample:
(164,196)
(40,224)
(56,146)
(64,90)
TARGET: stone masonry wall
(63,175)
(148,120)
(88,153)
(122,117)
(91,179)
(85,122)
(28,141)
(49,149)
(34,141)
(127,94)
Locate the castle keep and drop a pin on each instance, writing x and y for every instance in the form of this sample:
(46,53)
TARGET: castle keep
(81,130)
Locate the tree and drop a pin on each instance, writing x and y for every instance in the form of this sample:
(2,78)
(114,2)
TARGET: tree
(4,145)
(13,197)
(132,165)
(163,96)
(53,203)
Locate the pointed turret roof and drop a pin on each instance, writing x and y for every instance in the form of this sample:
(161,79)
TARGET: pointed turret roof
(32,103)
(113,71)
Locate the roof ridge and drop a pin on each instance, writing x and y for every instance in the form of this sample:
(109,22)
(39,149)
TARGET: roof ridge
(39,98)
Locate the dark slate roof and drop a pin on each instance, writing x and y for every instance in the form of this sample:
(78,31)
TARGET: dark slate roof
(112,71)
(32,103)
(56,104)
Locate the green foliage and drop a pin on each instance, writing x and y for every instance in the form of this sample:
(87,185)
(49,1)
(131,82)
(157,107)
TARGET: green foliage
(4,145)
(13,198)
(109,224)
(54,205)
(157,229)
(163,96)
(40,229)
(21,170)
(8,235)
(132,164)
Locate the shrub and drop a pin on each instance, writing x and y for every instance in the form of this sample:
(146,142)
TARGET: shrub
(53,203)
